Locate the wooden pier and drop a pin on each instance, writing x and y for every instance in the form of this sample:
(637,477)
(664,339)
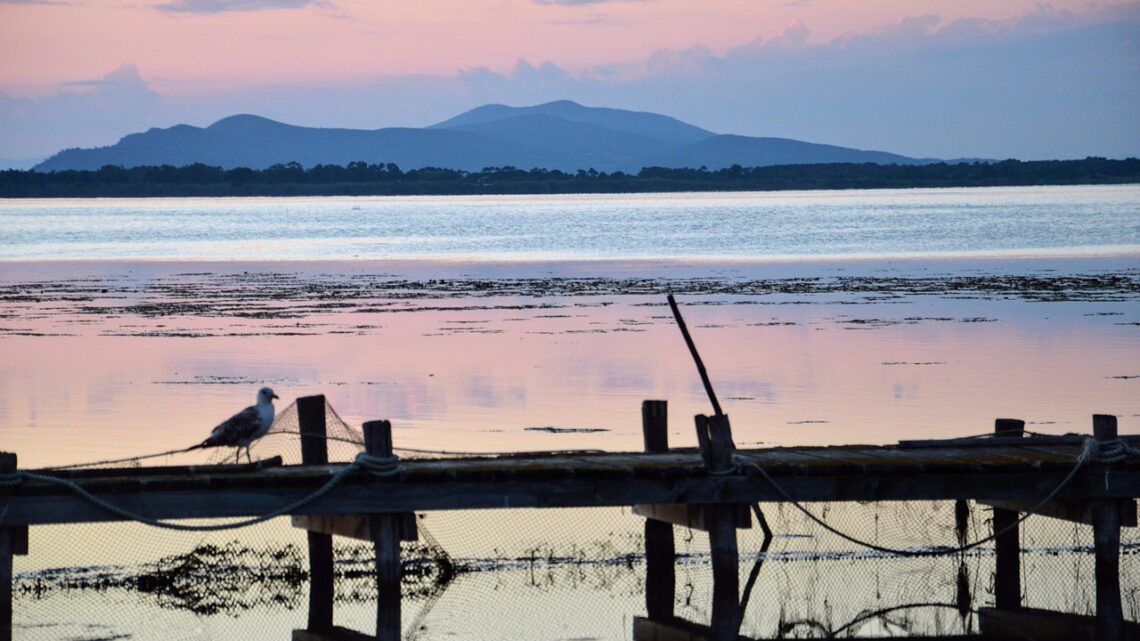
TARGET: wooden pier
(712,488)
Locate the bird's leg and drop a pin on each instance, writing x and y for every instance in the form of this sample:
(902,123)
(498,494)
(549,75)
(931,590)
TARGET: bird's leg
(237,455)
(247,457)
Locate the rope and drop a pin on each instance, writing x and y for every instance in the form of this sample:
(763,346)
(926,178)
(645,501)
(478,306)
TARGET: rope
(1090,452)
(385,466)
(144,457)
(1114,451)
(415,450)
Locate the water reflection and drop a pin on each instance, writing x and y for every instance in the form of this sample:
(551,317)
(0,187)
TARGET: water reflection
(109,361)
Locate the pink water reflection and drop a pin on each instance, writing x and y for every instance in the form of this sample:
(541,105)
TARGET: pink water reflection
(474,374)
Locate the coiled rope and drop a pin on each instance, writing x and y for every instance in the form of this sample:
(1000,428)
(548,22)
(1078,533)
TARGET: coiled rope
(379,466)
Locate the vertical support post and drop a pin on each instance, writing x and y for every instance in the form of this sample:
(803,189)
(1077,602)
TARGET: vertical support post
(1007,546)
(386,542)
(1106,542)
(725,625)
(7,549)
(314,451)
(660,550)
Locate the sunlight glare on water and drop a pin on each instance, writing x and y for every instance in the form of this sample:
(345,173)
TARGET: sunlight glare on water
(1079,220)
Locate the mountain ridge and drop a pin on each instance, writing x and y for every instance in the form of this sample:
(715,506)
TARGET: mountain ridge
(561,135)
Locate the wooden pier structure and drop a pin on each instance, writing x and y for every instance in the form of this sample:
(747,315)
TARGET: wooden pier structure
(714,488)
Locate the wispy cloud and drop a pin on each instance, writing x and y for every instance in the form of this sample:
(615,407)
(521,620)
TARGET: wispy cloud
(221,6)
(581,3)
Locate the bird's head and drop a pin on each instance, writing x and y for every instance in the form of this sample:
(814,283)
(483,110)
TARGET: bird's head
(265,395)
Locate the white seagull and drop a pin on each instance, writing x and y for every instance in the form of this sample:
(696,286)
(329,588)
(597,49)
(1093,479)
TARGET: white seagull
(246,426)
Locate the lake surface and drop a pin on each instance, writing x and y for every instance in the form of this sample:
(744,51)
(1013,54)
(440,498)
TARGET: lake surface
(1037,221)
(130,327)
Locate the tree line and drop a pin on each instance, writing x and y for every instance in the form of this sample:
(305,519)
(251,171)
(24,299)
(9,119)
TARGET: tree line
(360,178)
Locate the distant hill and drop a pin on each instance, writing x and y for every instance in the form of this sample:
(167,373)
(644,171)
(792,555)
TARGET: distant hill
(559,135)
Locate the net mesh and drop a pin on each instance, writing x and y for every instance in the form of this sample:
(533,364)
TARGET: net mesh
(546,574)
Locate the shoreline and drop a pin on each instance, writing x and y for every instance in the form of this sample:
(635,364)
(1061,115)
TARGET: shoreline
(665,268)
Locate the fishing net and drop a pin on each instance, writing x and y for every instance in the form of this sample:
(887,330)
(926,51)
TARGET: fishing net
(547,574)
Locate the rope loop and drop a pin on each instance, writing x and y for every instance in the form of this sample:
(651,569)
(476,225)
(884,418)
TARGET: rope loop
(381,466)
(1115,450)
(731,470)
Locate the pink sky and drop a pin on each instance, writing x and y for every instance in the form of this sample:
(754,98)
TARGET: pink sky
(46,43)
(924,78)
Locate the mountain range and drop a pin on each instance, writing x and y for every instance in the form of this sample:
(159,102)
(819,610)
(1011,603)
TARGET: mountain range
(556,135)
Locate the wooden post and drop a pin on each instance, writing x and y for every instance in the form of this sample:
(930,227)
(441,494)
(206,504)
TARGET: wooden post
(7,549)
(660,550)
(1007,546)
(315,451)
(725,624)
(1106,542)
(386,542)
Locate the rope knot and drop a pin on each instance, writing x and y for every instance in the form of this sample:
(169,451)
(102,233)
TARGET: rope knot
(377,465)
(1113,451)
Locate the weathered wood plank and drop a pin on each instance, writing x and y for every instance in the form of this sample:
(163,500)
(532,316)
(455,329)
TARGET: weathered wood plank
(35,504)
(1043,625)
(1075,511)
(690,515)
(164,470)
(334,633)
(354,526)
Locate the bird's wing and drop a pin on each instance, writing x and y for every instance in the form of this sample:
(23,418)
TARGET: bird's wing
(234,428)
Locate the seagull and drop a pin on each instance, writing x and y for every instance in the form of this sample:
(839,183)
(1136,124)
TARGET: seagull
(246,426)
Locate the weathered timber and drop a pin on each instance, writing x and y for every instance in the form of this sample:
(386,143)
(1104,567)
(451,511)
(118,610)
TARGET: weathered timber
(1075,511)
(314,451)
(660,548)
(8,547)
(1007,546)
(386,543)
(355,526)
(692,516)
(13,542)
(335,633)
(80,474)
(677,629)
(589,480)
(1043,625)
(1106,543)
(725,556)
(974,441)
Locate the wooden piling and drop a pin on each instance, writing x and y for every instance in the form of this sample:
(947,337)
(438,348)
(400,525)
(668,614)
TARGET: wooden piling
(660,550)
(1007,545)
(725,624)
(314,451)
(386,542)
(7,550)
(1106,542)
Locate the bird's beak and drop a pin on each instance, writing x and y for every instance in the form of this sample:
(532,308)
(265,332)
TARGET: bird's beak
(276,397)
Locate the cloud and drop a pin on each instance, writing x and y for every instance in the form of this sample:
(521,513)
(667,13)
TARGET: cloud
(580,3)
(1043,85)
(221,6)
(905,31)
(82,113)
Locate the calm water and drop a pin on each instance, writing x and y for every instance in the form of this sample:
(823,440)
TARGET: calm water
(787,225)
(130,327)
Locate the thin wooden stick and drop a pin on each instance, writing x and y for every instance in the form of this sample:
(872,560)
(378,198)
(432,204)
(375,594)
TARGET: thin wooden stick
(696,356)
